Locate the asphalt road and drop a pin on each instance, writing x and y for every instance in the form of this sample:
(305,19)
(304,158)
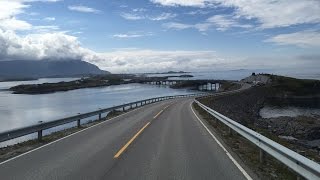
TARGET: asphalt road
(164,140)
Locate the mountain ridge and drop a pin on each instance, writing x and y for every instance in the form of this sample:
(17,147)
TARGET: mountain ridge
(21,69)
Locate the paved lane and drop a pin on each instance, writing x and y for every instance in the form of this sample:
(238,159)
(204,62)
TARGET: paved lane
(158,141)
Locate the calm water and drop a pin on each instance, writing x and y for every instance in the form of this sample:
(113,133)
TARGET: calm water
(18,110)
(243,73)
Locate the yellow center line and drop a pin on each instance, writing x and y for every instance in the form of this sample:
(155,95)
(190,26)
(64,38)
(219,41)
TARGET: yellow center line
(157,114)
(161,111)
(129,142)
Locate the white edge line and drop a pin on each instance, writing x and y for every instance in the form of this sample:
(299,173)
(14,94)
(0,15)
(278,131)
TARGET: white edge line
(13,158)
(224,149)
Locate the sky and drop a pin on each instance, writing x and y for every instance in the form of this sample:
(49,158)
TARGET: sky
(161,35)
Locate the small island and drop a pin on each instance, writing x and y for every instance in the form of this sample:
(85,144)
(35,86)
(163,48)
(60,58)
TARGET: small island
(89,82)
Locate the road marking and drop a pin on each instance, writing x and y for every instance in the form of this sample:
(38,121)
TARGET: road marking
(157,114)
(161,111)
(13,158)
(167,106)
(224,149)
(130,141)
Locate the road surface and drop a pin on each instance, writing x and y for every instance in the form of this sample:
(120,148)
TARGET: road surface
(164,140)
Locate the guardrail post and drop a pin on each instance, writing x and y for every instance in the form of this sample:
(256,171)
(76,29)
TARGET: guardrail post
(230,131)
(262,155)
(79,123)
(40,135)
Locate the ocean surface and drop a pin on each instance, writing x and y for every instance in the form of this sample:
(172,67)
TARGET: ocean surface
(242,73)
(20,110)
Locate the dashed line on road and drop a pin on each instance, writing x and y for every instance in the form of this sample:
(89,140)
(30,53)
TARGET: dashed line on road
(161,111)
(157,114)
(246,175)
(117,155)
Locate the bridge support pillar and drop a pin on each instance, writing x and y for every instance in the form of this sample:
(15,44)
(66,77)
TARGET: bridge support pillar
(262,155)
(40,135)
(99,116)
(123,109)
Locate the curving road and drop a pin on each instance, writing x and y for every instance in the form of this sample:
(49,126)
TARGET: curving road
(164,140)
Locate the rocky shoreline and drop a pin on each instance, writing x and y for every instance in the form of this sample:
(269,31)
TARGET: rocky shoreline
(302,133)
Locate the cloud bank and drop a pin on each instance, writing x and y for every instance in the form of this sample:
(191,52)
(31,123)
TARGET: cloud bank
(268,13)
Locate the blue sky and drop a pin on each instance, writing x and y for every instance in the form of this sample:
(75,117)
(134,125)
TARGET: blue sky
(160,35)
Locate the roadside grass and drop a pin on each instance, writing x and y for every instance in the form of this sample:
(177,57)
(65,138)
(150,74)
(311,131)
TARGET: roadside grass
(20,148)
(247,152)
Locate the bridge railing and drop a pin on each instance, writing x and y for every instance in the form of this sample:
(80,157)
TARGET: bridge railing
(300,164)
(39,128)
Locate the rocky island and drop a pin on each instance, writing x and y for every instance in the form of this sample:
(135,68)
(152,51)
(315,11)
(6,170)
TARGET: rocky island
(89,82)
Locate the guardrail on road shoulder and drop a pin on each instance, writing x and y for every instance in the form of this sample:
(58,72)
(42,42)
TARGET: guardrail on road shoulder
(38,128)
(300,164)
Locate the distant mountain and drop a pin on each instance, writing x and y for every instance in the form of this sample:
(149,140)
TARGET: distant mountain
(47,68)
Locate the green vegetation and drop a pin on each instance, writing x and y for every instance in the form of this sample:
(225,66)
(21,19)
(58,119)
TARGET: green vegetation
(94,81)
(296,87)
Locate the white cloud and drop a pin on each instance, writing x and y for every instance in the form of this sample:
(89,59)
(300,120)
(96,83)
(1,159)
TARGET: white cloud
(49,19)
(60,46)
(196,12)
(131,35)
(162,16)
(224,22)
(10,8)
(40,46)
(219,22)
(14,24)
(178,26)
(139,10)
(301,39)
(268,13)
(130,16)
(137,15)
(279,13)
(141,60)
(84,9)
(195,3)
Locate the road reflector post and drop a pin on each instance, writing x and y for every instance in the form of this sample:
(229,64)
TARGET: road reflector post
(262,155)
(40,135)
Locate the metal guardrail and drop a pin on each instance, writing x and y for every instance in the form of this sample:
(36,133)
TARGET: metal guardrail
(38,128)
(300,164)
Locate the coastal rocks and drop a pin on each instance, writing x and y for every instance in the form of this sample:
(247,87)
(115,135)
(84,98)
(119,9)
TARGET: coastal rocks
(301,127)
